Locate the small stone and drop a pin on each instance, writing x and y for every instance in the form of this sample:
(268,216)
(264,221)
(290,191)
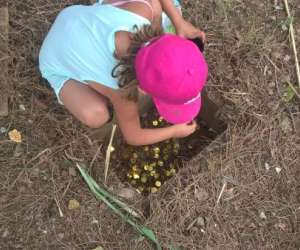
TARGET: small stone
(18,150)
(262,215)
(275,54)
(281,226)
(61,236)
(126,193)
(72,172)
(94,221)
(73,204)
(22,107)
(200,222)
(272,85)
(194,230)
(3,130)
(229,194)
(98,248)
(267,166)
(278,170)
(286,58)
(270,92)
(286,125)
(201,194)
(5,233)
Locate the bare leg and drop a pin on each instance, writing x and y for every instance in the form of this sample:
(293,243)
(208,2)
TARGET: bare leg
(85,104)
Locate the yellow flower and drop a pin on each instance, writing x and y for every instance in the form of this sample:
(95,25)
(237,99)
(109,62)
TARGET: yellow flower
(15,136)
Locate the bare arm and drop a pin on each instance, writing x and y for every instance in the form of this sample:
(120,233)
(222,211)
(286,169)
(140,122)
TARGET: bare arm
(172,12)
(128,119)
(183,28)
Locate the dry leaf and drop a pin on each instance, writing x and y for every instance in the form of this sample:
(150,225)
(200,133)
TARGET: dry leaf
(73,204)
(15,136)
(98,248)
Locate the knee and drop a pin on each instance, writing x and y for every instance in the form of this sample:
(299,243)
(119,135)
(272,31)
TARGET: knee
(96,117)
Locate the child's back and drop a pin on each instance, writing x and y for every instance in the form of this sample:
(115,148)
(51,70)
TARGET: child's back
(81,44)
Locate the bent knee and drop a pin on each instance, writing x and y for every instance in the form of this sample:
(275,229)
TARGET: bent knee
(96,117)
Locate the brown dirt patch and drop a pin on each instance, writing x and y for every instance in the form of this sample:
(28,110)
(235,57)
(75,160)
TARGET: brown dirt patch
(250,60)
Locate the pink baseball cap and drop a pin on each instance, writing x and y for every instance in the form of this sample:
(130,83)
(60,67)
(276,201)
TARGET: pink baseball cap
(173,71)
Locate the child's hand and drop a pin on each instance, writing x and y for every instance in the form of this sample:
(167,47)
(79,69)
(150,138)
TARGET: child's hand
(185,129)
(187,30)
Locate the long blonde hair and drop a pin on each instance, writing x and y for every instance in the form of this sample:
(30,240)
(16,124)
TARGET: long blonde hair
(125,70)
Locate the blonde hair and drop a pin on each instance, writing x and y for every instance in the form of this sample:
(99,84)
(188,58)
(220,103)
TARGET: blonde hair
(125,69)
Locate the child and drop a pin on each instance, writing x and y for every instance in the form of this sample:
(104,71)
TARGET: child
(111,51)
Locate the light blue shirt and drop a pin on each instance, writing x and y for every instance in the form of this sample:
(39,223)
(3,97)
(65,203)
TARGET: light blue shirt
(81,43)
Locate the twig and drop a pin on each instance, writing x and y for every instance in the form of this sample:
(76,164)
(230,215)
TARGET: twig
(72,158)
(47,150)
(292,34)
(222,190)
(59,209)
(96,155)
(108,152)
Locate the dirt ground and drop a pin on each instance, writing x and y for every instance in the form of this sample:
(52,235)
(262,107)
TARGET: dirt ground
(250,60)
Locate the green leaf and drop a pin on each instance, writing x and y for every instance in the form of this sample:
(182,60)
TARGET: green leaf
(171,29)
(288,94)
(117,206)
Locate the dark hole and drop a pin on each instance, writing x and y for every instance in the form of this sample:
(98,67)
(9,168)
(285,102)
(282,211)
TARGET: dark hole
(146,168)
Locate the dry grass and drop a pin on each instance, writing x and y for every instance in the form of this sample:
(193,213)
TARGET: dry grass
(250,60)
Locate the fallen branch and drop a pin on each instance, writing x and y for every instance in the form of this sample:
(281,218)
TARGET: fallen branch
(292,34)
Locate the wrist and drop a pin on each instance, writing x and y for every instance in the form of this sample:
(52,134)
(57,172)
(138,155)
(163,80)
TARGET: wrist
(173,130)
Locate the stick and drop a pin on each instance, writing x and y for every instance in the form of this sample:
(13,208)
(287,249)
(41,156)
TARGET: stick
(96,155)
(292,34)
(4,85)
(222,190)
(108,152)
(59,209)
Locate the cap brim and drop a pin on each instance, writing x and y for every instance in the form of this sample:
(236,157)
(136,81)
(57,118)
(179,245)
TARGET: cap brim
(176,114)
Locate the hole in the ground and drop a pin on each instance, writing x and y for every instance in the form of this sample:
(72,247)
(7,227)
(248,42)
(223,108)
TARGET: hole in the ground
(147,168)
